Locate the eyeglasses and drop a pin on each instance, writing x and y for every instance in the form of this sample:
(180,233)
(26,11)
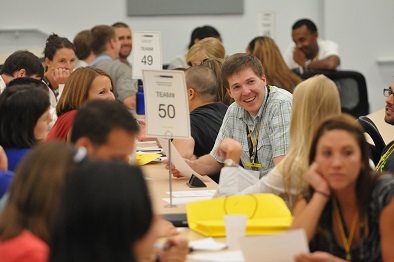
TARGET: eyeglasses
(387,92)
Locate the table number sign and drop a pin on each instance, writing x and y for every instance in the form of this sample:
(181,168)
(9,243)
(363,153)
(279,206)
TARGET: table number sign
(147,53)
(166,104)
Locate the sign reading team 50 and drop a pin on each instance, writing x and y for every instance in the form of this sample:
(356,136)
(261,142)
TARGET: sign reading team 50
(166,104)
(146,52)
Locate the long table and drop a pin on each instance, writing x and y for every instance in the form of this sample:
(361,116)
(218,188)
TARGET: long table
(158,184)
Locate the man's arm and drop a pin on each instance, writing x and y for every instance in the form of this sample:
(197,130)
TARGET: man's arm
(185,147)
(130,102)
(329,63)
(204,165)
(125,88)
(277,159)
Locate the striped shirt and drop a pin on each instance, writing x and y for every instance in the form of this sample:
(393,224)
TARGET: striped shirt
(274,136)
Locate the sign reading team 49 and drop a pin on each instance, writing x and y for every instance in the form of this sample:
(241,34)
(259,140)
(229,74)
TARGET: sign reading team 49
(146,53)
(166,104)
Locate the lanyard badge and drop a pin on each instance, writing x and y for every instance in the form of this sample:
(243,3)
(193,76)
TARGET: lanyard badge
(252,143)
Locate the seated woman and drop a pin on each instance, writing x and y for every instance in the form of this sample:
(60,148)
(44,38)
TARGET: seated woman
(60,61)
(313,100)
(84,84)
(209,47)
(114,223)
(275,68)
(348,210)
(24,120)
(33,202)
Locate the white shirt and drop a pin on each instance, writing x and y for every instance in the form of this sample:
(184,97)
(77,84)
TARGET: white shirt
(2,85)
(326,49)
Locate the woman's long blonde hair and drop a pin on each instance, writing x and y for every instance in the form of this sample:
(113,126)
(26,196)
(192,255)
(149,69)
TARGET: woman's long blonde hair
(314,100)
(211,46)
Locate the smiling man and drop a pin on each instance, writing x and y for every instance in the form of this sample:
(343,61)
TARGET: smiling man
(259,120)
(308,51)
(124,36)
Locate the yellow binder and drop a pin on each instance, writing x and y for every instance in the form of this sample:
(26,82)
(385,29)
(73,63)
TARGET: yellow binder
(267,214)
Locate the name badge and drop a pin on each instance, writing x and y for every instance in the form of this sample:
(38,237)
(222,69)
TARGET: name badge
(253,165)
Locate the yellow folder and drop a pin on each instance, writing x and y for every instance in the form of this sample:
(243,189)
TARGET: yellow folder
(267,214)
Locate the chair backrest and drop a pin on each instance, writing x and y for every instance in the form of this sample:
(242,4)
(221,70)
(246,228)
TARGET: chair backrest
(352,89)
(371,129)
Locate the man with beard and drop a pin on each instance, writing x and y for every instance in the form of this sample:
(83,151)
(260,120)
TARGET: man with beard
(386,162)
(124,36)
(308,51)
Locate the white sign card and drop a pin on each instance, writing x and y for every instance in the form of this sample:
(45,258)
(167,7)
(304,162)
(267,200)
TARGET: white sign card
(266,24)
(146,53)
(166,104)
(278,247)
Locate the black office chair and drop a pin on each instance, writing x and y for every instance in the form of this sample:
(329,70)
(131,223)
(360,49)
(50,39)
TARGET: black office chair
(371,129)
(352,89)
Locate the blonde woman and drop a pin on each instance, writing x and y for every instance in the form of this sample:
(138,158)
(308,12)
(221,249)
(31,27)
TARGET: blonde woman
(313,100)
(275,68)
(209,47)
(84,84)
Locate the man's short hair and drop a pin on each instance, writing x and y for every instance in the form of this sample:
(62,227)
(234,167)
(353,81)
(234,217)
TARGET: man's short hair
(28,81)
(120,25)
(96,119)
(23,59)
(82,44)
(203,32)
(239,62)
(101,34)
(203,80)
(308,23)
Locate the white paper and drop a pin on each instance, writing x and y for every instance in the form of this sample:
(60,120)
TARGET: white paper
(150,150)
(266,24)
(178,161)
(206,244)
(276,247)
(147,52)
(184,200)
(225,256)
(166,104)
(234,180)
(194,193)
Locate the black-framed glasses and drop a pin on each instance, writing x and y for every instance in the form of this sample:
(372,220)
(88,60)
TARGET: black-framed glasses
(387,92)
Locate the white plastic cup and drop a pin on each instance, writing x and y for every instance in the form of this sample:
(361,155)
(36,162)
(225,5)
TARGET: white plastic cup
(235,228)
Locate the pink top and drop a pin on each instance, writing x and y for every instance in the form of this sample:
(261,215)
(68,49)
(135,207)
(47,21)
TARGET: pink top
(25,247)
(62,126)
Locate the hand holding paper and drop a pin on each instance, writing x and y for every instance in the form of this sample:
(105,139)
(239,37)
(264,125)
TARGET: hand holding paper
(181,164)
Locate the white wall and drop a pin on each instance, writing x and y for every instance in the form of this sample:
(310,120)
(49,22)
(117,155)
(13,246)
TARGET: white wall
(357,25)
(70,17)
(364,31)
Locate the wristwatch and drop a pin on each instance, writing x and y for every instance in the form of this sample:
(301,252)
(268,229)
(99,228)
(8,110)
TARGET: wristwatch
(230,163)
